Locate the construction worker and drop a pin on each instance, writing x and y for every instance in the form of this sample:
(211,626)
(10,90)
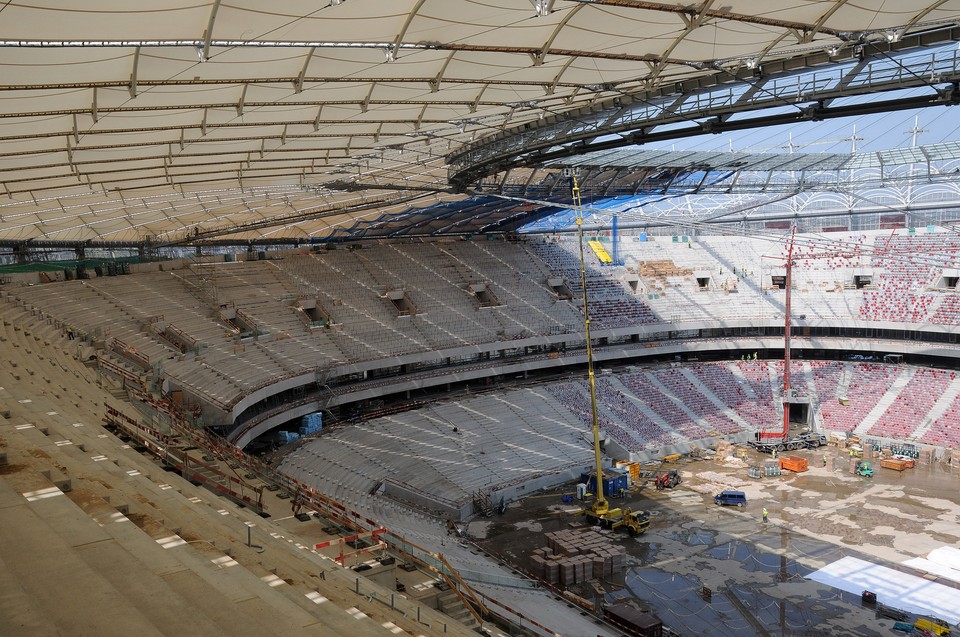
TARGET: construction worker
(764,515)
(774,453)
(824,459)
(623,493)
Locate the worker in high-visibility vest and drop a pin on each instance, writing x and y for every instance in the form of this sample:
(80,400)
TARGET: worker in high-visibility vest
(764,515)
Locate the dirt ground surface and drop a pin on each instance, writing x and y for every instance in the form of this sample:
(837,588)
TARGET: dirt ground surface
(710,570)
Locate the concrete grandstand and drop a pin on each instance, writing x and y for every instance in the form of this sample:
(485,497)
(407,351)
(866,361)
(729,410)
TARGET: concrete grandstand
(235,340)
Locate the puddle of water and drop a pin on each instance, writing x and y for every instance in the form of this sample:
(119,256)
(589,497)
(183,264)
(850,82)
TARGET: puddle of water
(759,586)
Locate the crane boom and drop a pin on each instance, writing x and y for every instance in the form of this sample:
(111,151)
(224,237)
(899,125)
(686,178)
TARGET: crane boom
(786,338)
(600,504)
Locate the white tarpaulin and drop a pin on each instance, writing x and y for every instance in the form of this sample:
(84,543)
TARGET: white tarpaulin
(943,562)
(894,588)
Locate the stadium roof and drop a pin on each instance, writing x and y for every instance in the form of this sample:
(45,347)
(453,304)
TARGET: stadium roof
(175,121)
(716,160)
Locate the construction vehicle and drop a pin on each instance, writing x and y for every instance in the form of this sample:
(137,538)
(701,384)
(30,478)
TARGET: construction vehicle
(932,626)
(667,479)
(600,511)
(864,469)
(636,522)
(780,442)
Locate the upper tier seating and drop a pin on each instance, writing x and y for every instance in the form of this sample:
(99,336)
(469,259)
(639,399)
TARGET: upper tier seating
(711,279)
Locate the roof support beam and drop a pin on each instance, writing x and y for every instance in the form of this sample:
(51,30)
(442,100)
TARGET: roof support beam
(201,45)
(242,104)
(432,82)
(93,106)
(818,27)
(298,83)
(133,74)
(691,21)
(208,33)
(539,57)
(394,51)
(473,107)
(365,104)
(423,111)
(922,14)
(542,8)
(549,90)
(243,98)
(803,36)
(435,82)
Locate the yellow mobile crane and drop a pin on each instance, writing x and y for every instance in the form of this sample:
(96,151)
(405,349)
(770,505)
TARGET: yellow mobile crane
(600,512)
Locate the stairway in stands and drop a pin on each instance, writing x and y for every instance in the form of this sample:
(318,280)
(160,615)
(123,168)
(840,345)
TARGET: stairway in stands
(888,398)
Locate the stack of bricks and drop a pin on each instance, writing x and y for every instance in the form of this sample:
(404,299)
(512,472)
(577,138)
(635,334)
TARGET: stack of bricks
(575,556)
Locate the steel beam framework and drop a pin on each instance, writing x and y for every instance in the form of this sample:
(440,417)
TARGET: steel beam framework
(708,106)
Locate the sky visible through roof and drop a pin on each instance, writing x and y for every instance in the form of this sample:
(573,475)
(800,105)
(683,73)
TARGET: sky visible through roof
(860,134)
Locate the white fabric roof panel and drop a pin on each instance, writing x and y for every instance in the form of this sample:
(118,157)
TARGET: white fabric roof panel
(178,96)
(91,19)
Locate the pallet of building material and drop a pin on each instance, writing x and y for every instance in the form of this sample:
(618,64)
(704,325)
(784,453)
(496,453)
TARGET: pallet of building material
(538,566)
(552,572)
(598,568)
(568,573)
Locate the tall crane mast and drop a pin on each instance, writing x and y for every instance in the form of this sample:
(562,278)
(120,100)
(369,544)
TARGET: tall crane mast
(771,439)
(786,337)
(600,512)
(767,436)
(600,505)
